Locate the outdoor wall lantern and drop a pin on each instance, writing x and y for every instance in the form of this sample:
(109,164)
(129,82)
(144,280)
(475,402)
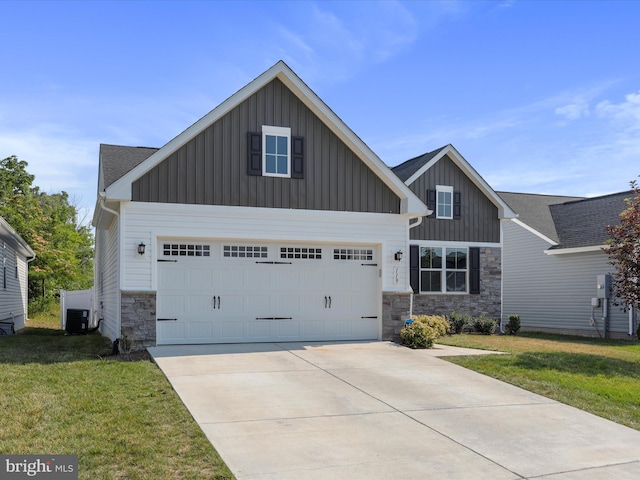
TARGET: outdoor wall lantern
(398,255)
(141,248)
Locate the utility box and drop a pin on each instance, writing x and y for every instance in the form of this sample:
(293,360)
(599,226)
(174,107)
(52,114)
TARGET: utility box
(604,286)
(595,302)
(77,321)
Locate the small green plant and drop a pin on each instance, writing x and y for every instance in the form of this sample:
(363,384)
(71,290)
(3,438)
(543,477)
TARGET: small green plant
(457,321)
(484,325)
(513,325)
(125,345)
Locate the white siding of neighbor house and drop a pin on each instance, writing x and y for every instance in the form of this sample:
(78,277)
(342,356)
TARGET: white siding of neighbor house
(553,291)
(146,222)
(107,288)
(13,299)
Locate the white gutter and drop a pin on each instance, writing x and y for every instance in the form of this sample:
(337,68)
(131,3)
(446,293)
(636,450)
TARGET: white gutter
(561,251)
(103,197)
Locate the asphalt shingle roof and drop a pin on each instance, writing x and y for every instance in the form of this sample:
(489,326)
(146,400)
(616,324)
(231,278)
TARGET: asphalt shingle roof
(116,160)
(572,222)
(408,168)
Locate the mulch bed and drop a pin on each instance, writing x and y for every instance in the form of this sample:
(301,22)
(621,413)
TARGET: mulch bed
(139,356)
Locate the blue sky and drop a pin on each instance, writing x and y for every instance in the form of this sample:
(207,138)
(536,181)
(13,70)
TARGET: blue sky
(539,96)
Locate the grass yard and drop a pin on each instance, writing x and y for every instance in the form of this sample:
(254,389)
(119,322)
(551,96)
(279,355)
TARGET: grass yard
(598,376)
(122,419)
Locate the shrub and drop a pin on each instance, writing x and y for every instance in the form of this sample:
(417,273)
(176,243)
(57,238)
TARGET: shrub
(437,322)
(484,325)
(417,335)
(457,321)
(513,325)
(424,331)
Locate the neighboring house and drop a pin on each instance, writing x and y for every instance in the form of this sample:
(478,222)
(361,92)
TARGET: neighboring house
(552,260)
(15,255)
(455,252)
(266,220)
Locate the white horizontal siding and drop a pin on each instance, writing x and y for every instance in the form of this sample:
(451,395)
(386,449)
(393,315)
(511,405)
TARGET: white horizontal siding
(552,291)
(107,289)
(13,298)
(145,222)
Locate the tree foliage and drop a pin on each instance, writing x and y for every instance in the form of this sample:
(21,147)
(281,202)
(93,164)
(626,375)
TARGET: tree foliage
(48,223)
(624,252)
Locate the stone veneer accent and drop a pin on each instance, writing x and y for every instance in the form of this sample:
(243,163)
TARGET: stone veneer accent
(138,318)
(488,302)
(395,310)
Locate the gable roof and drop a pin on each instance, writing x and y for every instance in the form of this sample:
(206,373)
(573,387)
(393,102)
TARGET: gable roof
(120,189)
(533,210)
(570,222)
(414,168)
(15,241)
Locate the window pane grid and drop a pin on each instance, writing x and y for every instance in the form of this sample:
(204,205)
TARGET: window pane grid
(186,250)
(449,276)
(244,251)
(362,254)
(301,253)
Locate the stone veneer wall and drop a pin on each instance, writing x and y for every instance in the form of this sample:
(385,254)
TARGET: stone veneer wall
(138,318)
(488,302)
(395,310)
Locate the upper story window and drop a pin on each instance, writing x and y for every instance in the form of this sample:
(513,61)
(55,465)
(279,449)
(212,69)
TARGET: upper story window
(276,151)
(444,201)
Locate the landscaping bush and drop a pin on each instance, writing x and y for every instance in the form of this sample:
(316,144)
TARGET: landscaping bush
(513,325)
(457,321)
(437,322)
(417,335)
(484,325)
(424,331)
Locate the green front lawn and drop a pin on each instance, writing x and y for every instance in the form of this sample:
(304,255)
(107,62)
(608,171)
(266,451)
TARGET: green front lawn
(123,420)
(598,376)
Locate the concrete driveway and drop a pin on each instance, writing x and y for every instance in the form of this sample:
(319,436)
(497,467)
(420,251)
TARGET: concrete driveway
(376,410)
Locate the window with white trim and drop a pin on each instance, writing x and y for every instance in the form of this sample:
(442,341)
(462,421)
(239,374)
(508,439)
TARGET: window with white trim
(360,254)
(304,253)
(276,151)
(244,251)
(444,201)
(443,269)
(186,250)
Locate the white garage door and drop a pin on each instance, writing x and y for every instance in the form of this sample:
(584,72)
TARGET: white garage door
(229,292)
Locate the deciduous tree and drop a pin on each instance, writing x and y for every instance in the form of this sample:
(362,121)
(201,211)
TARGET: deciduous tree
(624,252)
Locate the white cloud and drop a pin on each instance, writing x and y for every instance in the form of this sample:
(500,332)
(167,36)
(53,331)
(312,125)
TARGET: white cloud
(625,114)
(573,111)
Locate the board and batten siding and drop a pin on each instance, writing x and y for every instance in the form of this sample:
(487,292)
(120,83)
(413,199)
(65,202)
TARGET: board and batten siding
(150,221)
(107,283)
(552,291)
(13,299)
(478,221)
(211,169)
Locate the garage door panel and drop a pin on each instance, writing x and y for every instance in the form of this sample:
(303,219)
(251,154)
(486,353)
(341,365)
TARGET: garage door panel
(200,303)
(172,303)
(313,328)
(171,277)
(232,330)
(172,332)
(288,329)
(201,279)
(260,329)
(200,330)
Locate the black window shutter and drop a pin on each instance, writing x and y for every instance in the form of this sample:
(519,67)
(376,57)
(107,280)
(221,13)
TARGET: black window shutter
(414,268)
(456,205)
(474,272)
(254,153)
(297,157)
(431,202)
